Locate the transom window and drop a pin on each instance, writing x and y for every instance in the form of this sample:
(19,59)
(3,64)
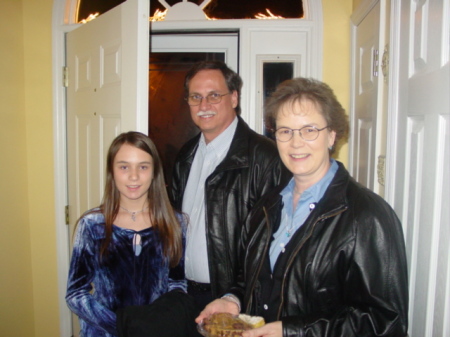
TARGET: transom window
(216,9)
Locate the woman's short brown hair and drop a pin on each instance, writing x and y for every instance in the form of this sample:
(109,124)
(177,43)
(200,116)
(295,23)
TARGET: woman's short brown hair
(298,89)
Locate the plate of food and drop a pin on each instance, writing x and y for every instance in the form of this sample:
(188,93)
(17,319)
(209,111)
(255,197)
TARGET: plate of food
(224,324)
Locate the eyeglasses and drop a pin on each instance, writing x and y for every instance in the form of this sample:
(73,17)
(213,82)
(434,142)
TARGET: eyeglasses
(212,98)
(308,133)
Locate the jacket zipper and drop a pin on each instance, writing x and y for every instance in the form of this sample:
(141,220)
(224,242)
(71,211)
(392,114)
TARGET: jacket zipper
(262,260)
(291,260)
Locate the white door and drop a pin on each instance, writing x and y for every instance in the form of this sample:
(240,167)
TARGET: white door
(107,94)
(418,156)
(365,113)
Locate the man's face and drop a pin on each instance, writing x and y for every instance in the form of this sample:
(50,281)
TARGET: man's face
(212,119)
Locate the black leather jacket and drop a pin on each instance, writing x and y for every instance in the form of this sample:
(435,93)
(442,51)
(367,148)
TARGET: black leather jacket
(251,168)
(345,272)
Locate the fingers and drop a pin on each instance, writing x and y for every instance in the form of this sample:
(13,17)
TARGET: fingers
(204,314)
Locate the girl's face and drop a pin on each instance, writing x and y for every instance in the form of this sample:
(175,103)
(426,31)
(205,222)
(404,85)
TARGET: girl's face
(307,160)
(133,174)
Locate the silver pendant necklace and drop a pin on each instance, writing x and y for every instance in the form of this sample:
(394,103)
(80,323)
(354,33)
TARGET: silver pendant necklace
(290,228)
(133,214)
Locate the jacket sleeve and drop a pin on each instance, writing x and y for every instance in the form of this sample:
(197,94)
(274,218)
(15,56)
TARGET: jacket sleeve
(180,172)
(81,274)
(373,278)
(174,188)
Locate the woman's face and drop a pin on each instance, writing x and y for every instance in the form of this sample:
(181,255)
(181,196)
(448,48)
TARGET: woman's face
(133,174)
(309,161)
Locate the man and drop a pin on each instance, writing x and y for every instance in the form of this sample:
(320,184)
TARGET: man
(218,176)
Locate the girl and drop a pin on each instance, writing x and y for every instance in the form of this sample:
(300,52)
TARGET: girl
(128,251)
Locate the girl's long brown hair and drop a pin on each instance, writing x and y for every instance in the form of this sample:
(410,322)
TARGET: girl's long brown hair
(161,213)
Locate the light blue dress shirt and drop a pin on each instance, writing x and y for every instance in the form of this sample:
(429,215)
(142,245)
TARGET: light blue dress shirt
(292,220)
(206,159)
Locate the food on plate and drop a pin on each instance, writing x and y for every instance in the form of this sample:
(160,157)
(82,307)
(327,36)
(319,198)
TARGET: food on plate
(227,325)
(254,321)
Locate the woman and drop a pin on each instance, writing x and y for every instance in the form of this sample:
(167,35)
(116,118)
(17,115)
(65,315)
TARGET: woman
(324,256)
(128,251)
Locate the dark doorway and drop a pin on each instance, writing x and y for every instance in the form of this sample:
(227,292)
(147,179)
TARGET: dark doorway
(170,123)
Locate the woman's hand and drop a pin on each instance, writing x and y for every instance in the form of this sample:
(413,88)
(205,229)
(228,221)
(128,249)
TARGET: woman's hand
(219,305)
(274,329)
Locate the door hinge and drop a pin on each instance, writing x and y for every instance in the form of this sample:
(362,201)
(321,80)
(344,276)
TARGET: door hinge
(381,169)
(66,212)
(375,62)
(65,77)
(385,63)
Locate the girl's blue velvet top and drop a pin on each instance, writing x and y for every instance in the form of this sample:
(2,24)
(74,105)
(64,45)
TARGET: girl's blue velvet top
(97,289)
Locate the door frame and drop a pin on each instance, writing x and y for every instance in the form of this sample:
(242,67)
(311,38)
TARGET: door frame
(214,42)
(63,21)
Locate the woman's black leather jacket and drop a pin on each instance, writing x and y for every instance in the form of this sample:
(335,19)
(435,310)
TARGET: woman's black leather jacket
(347,272)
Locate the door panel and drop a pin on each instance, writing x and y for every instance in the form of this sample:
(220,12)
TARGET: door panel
(106,95)
(419,158)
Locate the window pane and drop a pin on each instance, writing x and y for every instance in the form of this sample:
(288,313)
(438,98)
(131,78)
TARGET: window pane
(247,9)
(88,7)
(219,9)
(273,74)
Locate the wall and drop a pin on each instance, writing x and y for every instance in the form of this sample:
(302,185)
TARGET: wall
(336,54)
(39,116)
(28,297)
(28,282)
(356,3)
(16,308)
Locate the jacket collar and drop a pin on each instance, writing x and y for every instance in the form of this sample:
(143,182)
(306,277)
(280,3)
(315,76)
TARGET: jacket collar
(334,199)
(238,154)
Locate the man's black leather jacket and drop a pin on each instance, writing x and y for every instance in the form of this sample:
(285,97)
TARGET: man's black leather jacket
(251,168)
(346,273)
